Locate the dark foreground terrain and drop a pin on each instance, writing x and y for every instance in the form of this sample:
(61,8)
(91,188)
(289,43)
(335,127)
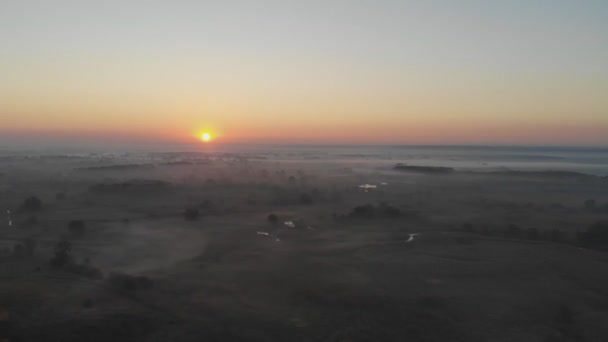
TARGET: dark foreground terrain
(223,248)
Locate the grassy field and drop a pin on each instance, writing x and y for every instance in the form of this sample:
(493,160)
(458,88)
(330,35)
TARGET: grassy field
(475,271)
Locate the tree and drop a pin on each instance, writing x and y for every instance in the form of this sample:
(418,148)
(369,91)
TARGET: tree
(273,219)
(306,199)
(76,228)
(389,210)
(18,250)
(191,214)
(62,254)
(552,235)
(533,234)
(596,236)
(468,227)
(590,204)
(513,231)
(32,204)
(367,210)
(29,245)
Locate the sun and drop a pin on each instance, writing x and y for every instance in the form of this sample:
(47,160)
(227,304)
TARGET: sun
(206,137)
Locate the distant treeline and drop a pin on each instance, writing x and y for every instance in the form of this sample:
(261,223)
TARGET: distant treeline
(423,169)
(119,167)
(545,173)
(594,236)
(135,185)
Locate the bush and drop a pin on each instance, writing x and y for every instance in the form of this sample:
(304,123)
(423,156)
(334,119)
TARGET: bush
(32,204)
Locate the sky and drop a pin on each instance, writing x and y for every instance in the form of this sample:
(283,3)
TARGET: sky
(359,71)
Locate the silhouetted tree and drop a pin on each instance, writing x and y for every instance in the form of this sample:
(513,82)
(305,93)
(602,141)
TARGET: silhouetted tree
(273,219)
(191,214)
(512,231)
(76,228)
(566,324)
(552,235)
(389,210)
(29,245)
(306,199)
(32,204)
(30,221)
(533,234)
(18,250)
(366,211)
(596,236)
(590,204)
(63,255)
(128,282)
(468,227)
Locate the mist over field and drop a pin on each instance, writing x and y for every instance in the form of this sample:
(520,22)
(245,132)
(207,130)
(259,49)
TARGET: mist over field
(302,171)
(305,243)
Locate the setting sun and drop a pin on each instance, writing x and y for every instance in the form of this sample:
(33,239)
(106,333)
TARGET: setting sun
(206,137)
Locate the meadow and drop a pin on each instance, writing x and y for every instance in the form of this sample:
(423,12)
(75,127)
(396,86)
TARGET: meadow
(232,247)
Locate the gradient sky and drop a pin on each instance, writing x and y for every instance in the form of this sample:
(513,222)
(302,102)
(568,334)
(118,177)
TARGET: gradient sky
(517,71)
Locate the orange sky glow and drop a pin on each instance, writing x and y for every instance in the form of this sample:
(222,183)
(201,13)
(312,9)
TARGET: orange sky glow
(390,72)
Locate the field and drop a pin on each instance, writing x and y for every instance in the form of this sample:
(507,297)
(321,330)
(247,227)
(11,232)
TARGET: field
(199,247)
